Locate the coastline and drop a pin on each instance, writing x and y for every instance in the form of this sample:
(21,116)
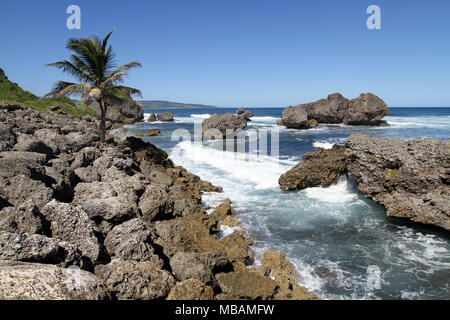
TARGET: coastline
(134,211)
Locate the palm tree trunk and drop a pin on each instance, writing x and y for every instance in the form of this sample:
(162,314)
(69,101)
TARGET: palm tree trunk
(102,120)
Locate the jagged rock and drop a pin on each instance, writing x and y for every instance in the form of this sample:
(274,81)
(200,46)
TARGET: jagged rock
(85,157)
(231,222)
(166,117)
(64,179)
(294,117)
(152,117)
(37,248)
(409,178)
(185,201)
(20,188)
(222,211)
(153,132)
(132,241)
(245,284)
(367,109)
(58,143)
(139,134)
(135,280)
(122,111)
(321,167)
(238,248)
(145,153)
(33,281)
(199,266)
(245,114)
(7,137)
(70,223)
(156,204)
(29,143)
(113,200)
(185,234)
(283,272)
(191,289)
(25,218)
(160,178)
(240,111)
(87,175)
(224,126)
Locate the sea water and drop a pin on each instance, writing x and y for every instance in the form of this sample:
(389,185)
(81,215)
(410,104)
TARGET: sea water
(334,236)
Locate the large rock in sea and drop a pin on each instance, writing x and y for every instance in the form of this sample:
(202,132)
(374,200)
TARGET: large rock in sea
(246,114)
(224,126)
(367,109)
(166,117)
(321,167)
(126,112)
(409,178)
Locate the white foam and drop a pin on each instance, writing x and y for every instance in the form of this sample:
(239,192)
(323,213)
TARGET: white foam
(325,145)
(201,116)
(260,171)
(341,191)
(226,230)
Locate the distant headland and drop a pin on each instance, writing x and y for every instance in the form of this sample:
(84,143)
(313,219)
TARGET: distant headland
(157,104)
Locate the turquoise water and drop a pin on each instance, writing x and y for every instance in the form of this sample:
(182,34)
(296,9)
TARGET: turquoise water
(333,236)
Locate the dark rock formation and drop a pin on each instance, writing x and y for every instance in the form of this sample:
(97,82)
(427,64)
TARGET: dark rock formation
(245,114)
(367,109)
(222,126)
(135,280)
(122,112)
(409,178)
(152,117)
(166,117)
(321,167)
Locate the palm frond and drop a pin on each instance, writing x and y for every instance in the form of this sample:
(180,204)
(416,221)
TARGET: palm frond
(126,67)
(114,79)
(128,90)
(71,69)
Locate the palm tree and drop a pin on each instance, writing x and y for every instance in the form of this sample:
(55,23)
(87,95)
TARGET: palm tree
(92,64)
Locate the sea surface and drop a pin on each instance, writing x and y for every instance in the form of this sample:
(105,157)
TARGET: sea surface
(343,245)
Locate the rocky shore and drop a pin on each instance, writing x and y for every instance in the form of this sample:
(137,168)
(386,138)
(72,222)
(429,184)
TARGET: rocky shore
(367,109)
(409,178)
(84,220)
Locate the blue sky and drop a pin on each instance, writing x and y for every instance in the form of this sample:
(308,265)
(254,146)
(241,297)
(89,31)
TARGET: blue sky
(245,53)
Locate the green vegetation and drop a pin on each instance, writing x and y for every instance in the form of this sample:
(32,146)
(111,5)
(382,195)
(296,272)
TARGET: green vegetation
(10,91)
(92,65)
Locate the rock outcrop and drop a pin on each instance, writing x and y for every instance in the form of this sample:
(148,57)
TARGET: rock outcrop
(166,117)
(35,281)
(367,109)
(222,126)
(118,220)
(245,114)
(125,112)
(321,167)
(409,178)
